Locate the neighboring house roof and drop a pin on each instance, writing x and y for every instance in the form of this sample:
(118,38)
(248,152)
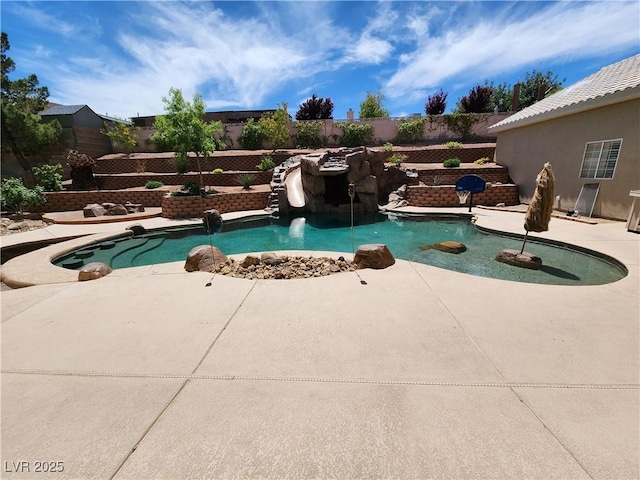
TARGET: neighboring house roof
(63,110)
(616,83)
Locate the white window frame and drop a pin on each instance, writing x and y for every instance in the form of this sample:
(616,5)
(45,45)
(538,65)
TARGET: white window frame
(600,163)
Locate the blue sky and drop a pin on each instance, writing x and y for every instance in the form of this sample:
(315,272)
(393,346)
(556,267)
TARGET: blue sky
(121,57)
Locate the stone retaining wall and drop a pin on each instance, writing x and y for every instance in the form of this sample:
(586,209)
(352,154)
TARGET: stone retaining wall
(68,201)
(227,179)
(438,154)
(445,196)
(189,207)
(450,176)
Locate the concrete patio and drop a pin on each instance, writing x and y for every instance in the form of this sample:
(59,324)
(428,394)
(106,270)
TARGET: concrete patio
(420,373)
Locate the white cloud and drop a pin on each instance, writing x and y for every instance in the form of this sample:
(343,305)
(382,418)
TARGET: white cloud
(503,43)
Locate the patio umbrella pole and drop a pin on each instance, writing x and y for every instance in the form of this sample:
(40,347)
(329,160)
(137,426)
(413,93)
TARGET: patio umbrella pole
(524,240)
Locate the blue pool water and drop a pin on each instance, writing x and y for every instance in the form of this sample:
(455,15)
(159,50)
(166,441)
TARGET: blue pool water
(562,264)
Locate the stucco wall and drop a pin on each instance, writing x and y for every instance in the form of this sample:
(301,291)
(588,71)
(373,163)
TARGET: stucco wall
(562,142)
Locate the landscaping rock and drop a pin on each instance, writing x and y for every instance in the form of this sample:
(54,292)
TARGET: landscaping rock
(117,209)
(270,258)
(137,229)
(284,267)
(250,260)
(204,258)
(373,255)
(94,210)
(212,220)
(524,259)
(18,226)
(94,270)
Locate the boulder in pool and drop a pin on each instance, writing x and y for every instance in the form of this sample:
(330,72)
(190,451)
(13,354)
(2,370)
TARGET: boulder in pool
(448,247)
(204,258)
(373,255)
(524,259)
(93,271)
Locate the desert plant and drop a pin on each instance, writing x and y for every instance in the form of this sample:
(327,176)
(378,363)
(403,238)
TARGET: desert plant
(246,180)
(16,197)
(451,162)
(412,131)
(436,104)
(181,162)
(252,135)
(141,165)
(315,108)
(387,147)
(308,134)
(397,159)
(49,177)
(453,145)
(218,170)
(266,163)
(151,184)
(355,134)
(437,180)
(482,161)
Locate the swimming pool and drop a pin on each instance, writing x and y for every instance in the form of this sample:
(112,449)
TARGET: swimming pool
(563,264)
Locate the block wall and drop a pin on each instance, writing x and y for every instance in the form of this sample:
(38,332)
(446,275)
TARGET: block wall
(189,207)
(450,176)
(445,196)
(68,201)
(132,180)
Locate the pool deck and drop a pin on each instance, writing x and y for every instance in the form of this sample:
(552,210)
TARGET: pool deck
(419,373)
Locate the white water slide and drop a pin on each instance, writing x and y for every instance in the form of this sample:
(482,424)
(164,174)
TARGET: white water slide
(295,194)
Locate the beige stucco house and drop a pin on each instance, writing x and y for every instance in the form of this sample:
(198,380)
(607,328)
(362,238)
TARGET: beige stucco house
(590,132)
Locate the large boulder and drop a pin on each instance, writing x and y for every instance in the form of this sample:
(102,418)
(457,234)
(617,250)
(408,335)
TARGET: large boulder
(204,258)
(448,246)
(524,259)
(94,210)
(373,255)
(94,270)
(117,209)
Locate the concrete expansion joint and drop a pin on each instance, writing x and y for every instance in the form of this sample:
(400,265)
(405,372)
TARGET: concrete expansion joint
(356,381)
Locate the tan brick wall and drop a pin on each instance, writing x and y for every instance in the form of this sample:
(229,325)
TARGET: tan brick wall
(68,201)
(132,180)
(445,196)
(438,154)
(450,176)
(188,207)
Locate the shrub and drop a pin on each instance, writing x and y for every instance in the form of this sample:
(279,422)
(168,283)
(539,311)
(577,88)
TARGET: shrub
(451,162)
(218,170)
(397,159)
(308,134)
(453,145)
(411,132)
(181,162)
(387,147)
(266,163)
(355,134)
(437,180)
(252,136)
(151,184)
(191,188)
(274,126)
(49,177)
(478,100)
(246,179)
(16,197)
(482,161)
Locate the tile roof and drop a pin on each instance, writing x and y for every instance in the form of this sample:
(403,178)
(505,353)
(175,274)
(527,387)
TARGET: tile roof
(63,110)
(611,84)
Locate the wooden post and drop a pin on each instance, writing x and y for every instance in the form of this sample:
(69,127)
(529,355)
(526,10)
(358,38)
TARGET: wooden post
(515,100)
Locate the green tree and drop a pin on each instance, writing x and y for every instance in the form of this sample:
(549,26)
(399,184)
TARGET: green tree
(183,129)
(275,126)
(123,135)
(252,135)
(371,106)
(534,83)
(23,133)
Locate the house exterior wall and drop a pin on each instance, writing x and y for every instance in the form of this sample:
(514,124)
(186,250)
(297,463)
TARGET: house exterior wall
(562,142)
